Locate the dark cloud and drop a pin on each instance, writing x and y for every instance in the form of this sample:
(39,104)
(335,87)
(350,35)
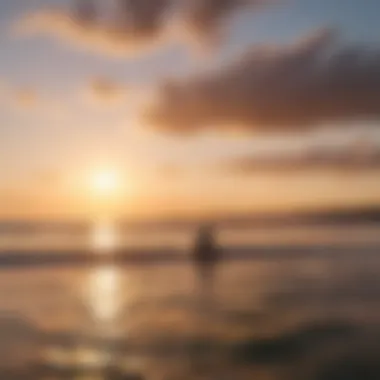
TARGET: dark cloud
(143,18)
(295,87)
(124,25)
(204,17)
(357,156)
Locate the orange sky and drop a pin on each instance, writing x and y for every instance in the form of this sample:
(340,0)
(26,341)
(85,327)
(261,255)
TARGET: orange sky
(176,109)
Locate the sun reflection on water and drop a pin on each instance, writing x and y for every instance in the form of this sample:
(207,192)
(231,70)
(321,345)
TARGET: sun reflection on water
(104,283)
(104,237)
(104,293)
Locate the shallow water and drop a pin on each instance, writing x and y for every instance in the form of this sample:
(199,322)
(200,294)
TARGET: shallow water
(260,318)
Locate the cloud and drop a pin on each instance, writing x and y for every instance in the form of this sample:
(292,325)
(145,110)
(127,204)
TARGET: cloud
(356,156)
(103,90)
(276,89)
(26,97)
(19,97)
(132,24)
(204,17)
(28,100)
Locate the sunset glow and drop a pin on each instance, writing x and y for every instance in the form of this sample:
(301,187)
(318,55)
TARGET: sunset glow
(190,189)
(106,182)
(196,137)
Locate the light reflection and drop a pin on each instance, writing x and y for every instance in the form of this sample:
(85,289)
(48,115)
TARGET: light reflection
(106,182)
(104,293)
(81,357)
(104,237)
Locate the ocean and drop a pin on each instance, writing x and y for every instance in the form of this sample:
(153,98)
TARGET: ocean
(297,302)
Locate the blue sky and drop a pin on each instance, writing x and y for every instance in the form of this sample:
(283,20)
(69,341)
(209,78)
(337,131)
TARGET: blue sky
(73,137)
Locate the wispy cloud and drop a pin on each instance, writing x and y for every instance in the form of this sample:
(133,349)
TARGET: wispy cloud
(127,26)
(277,89)
(359,155)
(29,100)
(20,97)
(105,91)
(26,97)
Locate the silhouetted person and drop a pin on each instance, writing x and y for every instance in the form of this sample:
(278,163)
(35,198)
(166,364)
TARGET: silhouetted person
(205,257)
(206,254)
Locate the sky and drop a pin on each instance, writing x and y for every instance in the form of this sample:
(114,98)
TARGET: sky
(201,107)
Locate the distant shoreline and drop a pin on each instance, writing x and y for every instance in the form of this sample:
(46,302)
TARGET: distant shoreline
(353,216)
(164,256)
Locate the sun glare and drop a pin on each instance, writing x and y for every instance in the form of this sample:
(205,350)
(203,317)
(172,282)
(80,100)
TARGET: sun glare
(105,193)
(106,182)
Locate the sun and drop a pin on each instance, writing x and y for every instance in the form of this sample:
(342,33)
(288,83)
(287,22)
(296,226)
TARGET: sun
(106,193)
(106,182)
